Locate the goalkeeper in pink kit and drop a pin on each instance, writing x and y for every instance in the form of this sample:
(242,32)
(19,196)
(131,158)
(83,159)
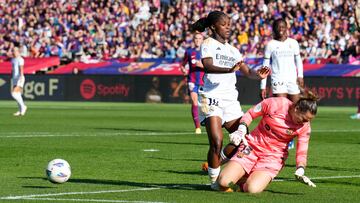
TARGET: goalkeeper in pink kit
(262,153)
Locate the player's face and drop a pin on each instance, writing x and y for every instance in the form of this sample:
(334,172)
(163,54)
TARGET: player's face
(300,117)
(281,30)
(198,39)
(222,27)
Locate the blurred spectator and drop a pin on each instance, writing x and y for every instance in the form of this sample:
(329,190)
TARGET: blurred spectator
(153,95)
(178,91)
(119,28)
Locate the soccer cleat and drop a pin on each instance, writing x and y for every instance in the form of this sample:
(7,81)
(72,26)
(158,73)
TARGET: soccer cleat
(355,116)
(215,186)
(228,190)
(17,113)
(22,113)
(204,166)
(198,131)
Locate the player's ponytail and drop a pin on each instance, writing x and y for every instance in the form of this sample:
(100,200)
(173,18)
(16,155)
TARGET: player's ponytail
(203,23)
(307,102)
(200,25)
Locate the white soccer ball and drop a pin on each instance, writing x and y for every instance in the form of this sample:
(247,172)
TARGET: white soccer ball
(58,171)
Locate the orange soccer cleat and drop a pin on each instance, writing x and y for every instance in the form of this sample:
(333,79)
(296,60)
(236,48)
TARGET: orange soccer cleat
(204,166)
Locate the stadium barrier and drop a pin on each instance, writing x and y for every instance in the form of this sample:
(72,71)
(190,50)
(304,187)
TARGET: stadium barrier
(334,91)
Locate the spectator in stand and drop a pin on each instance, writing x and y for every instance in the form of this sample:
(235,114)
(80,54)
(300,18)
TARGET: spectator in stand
(100,23)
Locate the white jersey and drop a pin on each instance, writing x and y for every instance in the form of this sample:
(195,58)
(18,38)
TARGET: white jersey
(282,55)
(16,63)
(220,85)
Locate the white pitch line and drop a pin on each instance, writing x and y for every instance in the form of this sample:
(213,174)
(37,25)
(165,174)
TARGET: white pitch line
(87,200)
(318,178)
(77,193)
(151,150)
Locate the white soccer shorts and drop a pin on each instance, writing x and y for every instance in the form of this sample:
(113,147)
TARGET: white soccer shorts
(288,87)
(18,82)
(227,110)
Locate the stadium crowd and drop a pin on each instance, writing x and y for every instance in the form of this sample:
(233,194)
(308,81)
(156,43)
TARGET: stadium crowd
(102,29)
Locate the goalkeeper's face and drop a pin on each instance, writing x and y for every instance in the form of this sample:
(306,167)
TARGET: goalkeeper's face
(301,117)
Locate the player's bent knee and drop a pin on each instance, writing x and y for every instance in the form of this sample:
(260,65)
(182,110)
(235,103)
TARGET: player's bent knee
(223,181)
(252,188)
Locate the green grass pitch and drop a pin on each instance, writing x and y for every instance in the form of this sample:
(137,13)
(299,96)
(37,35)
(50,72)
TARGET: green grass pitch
(122,152)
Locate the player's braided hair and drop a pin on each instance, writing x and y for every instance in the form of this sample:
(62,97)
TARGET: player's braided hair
(205,22)
(307,102)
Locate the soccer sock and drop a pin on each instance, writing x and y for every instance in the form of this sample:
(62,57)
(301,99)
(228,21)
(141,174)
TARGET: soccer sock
(18,99)
(213,174)
(195,115)
(224,158)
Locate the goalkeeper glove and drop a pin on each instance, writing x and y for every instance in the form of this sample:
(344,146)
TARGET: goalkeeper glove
(239,135)
(299,175)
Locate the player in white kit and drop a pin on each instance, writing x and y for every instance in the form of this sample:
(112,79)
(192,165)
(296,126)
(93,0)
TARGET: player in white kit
(18,81)
(282,54)
(218,97)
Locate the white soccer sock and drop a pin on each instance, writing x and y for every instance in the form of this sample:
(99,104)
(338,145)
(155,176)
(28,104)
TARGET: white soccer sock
(213,174)
(18,99)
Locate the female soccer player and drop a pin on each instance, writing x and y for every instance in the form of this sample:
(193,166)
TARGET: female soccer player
(194,76)
(219,104)
(286,65)
(18,81)
(256,165)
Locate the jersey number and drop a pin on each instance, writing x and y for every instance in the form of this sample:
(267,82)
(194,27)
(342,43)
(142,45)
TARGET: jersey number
(213,102)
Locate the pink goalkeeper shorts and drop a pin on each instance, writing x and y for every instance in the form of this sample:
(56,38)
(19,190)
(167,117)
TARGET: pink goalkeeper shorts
(252,160)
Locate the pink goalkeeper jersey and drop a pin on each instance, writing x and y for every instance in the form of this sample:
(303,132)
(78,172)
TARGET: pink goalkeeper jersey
(276,129)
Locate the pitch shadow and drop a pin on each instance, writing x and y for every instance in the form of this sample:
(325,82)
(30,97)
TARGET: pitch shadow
(145,185)
(183,172)
(284,193)
(345,183)
(329,168)
(37,187)
(176,143)
(133,130)
(168,159)
(135,184)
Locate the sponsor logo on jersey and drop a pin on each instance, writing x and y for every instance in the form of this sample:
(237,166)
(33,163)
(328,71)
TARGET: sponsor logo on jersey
(267,127)
(289,131)
(257,108)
